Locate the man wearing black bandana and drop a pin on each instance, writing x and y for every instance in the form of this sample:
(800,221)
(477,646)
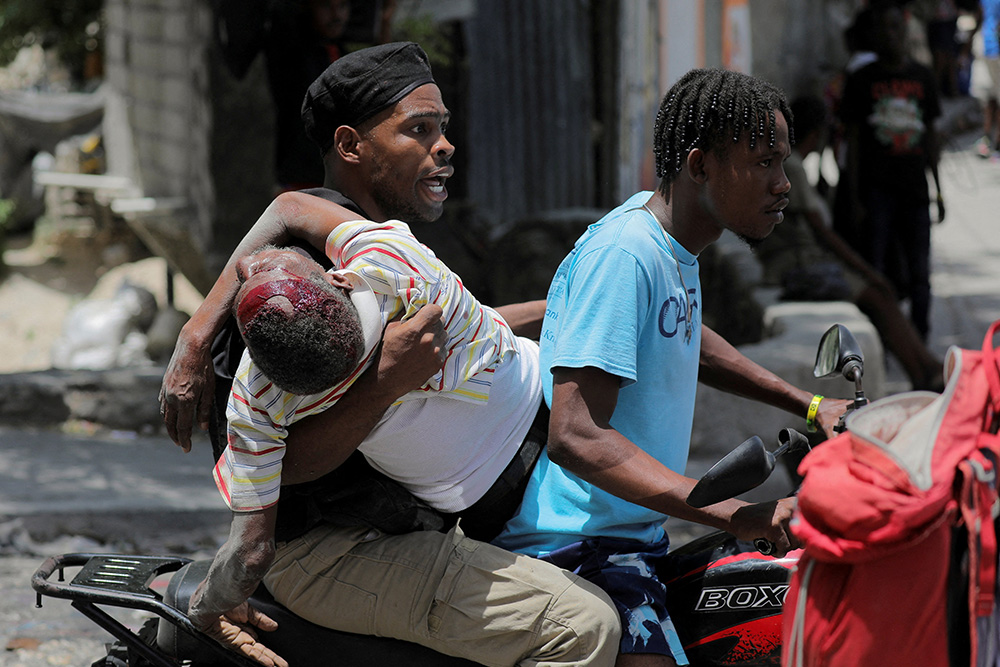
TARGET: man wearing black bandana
(380,123)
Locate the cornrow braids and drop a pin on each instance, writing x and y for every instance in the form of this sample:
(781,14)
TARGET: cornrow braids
(711,108)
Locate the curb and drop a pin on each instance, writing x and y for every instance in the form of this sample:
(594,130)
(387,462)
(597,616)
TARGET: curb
(121,398)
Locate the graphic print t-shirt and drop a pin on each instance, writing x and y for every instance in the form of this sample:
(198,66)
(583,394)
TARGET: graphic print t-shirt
(894,110)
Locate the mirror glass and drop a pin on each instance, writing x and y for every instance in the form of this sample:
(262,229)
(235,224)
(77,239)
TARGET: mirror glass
(837,348)
(828,354)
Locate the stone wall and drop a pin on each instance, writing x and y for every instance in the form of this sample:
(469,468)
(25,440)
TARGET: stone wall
(157,72)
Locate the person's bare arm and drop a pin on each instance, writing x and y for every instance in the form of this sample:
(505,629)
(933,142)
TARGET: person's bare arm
(411,352)
(187,389)
(833,241)
(582,440)
(219,606)
(723,367)
(524,319)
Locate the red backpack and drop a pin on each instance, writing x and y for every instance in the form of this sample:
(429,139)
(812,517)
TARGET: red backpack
(897,517)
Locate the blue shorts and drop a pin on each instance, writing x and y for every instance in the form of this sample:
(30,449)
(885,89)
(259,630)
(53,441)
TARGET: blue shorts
(625,569)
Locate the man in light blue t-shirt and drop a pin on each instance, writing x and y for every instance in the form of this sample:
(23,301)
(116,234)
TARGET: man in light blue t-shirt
(617,304)
(623,347)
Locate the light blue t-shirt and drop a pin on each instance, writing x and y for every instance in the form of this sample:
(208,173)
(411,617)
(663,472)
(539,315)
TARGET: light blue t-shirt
(991,28)
(617,304)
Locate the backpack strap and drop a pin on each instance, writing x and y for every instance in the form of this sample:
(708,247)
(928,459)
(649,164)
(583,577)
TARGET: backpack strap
(991,362)
(793,654)
(979,504)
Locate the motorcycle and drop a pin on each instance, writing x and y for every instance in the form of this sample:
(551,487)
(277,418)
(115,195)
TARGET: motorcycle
(724,595)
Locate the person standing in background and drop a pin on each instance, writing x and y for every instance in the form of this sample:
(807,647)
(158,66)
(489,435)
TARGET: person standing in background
(888,112)
(299,39)
(986,75)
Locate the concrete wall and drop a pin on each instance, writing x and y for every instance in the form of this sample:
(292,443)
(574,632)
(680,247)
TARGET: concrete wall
(185,131)
(158,119)
(156,68)
(798,45)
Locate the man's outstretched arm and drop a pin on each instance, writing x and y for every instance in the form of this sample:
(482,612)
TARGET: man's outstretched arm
(723,367)
(582,440)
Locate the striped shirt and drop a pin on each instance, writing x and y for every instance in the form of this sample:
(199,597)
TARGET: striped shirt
(403,275)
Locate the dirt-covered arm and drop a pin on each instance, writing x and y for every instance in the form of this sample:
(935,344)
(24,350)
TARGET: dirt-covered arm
(187,390)
(219,606)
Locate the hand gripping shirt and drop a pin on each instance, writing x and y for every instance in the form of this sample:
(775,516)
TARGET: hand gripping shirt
(617,304)
(393,275)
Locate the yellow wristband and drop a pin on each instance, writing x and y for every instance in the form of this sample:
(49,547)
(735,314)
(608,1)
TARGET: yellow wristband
(811,424)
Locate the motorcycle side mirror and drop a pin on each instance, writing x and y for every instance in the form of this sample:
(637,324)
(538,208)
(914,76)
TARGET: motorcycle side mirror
(839,353)
(742,469)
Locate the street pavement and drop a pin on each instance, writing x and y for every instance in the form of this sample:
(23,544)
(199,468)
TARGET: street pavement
(965,282)
(117,491)
(64,492)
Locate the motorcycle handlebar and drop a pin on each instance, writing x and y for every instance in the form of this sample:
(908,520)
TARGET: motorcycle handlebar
(765,546)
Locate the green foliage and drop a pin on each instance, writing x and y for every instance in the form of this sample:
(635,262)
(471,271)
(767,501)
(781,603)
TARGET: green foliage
(70,27)
(6,213)
(431,38)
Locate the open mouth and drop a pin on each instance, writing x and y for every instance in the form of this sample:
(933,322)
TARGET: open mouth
(435,187)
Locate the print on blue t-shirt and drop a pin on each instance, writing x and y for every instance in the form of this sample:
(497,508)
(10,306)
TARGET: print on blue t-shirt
(617,304)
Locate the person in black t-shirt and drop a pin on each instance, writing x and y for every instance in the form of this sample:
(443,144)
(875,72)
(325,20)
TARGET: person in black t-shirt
(888,110)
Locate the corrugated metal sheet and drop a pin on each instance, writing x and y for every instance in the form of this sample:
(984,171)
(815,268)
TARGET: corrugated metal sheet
(638,96)
(531,108)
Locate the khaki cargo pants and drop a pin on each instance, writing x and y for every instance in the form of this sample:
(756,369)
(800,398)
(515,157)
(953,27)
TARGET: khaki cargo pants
(447,592)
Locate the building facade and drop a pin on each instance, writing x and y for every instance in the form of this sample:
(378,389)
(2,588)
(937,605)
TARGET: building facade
(554,103)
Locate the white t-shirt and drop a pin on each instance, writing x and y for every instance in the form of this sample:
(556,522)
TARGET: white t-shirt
(454,450)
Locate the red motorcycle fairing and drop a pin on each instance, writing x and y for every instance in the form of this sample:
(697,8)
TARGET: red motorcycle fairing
(725,600)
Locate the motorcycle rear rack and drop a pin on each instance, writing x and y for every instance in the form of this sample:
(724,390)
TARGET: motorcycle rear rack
(118,580)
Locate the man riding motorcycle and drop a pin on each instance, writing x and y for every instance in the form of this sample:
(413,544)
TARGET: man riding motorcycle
(380,122)
(623,348)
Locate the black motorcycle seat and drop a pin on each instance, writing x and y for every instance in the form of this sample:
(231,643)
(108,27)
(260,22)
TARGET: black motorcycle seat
(297,640)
